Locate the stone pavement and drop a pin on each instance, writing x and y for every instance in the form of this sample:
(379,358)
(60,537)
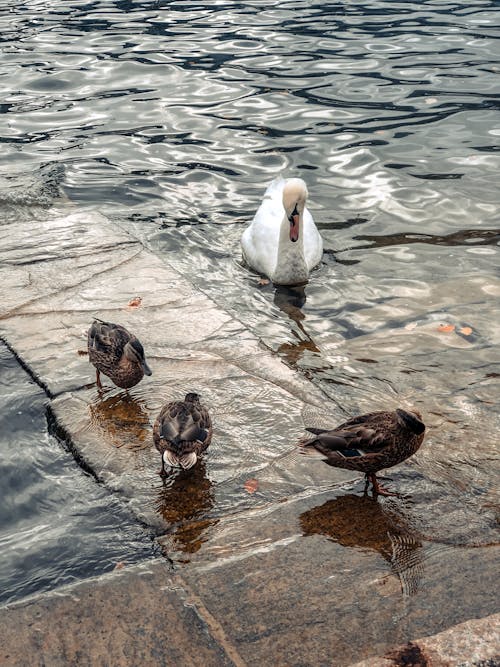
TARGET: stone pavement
(268,561)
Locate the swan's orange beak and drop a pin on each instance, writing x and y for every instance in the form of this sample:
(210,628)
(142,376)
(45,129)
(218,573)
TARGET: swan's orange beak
(294,226)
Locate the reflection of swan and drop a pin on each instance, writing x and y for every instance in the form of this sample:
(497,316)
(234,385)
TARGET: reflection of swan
(124,419)
(282,241)
(184,502)
(360,521)
(290,300)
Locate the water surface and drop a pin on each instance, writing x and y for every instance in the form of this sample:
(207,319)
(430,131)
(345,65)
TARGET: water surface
(171,118)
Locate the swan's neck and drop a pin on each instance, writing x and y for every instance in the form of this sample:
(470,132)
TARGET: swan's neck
(291,265)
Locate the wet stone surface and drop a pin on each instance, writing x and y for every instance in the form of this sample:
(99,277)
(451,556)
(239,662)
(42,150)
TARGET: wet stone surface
(134,617)
(287,555)
(335,574)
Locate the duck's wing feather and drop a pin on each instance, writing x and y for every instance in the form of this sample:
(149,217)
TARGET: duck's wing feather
(366,434)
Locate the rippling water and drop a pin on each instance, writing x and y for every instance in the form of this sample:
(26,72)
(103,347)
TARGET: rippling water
(56,524)
(172,117)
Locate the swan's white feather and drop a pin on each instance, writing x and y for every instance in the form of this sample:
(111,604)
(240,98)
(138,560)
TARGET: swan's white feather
(264,242)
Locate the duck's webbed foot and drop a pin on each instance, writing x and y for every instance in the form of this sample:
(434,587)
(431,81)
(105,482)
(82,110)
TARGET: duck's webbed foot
(378,489)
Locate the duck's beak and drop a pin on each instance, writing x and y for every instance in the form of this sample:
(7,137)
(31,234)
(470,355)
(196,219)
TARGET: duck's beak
(294,225)
(147,370)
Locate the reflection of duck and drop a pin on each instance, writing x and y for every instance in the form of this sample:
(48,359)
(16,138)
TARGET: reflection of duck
(360,521)
(184,502)
(282,241)
(182,431)
(124,418)
(368,443)
(117,353)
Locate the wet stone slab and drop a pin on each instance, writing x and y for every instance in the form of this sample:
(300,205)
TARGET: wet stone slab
(330,578)
(475,643)
(286,560)
(138,616)
(256,402)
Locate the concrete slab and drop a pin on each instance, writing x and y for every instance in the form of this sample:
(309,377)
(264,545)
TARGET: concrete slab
(475,643)
(64,271)
(279,559)
(322,580)
(138,616)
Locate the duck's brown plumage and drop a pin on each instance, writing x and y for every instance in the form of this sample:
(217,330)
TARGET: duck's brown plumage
(369,443)
(182,432)
(117,353)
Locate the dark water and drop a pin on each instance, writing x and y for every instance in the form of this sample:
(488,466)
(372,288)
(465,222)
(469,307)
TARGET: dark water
(56,524)
(172,117)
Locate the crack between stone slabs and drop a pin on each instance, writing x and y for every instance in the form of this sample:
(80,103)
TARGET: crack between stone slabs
(94,252)
(61,434)
(67,311)
(147,246)
(239,362)
(214,626)
(12,313)
(27,368)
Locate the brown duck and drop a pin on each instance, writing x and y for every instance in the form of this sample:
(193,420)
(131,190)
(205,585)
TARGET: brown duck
(182,432)
(117,353)
(368,443)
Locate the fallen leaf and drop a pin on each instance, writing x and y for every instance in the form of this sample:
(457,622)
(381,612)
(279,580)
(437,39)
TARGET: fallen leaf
(446,328)
(82,353)
(135,302)
(466,331)
(119,566)
(251,485)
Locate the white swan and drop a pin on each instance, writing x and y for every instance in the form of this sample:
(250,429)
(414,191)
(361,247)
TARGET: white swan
(282,241)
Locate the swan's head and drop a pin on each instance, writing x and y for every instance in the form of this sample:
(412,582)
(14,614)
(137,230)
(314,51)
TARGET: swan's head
(294,201)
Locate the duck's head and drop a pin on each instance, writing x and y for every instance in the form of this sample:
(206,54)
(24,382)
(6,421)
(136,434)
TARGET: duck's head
(134,352)
(411,420)
(294,201)
(192,397)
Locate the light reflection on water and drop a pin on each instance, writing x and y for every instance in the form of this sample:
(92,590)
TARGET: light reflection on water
(172,117)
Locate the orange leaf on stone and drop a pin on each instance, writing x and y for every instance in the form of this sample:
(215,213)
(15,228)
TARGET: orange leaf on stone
(466,331)
(446,328)
(135,302)
(251,485)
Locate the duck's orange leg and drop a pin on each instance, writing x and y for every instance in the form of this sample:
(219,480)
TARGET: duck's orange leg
(378,489)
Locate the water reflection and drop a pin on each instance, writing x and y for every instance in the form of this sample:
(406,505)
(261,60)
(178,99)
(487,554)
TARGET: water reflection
(361,521)
(184,502)
(290,300)
(123,418)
